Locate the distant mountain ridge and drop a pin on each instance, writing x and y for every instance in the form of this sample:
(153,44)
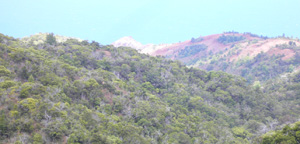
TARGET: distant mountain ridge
(40,38)
(128,41)
(228,52)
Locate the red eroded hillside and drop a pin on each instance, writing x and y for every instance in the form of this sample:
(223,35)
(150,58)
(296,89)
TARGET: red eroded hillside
(211,41)
(267,46)
(288,53)
(250,45)
(251,56)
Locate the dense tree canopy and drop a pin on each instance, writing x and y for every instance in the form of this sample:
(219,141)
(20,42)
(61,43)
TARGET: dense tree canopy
(81,92)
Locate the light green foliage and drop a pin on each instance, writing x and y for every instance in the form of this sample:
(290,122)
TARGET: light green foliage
(98,138)
(241,132)
(30,79)
(28,104)
(113,140)
(4,71)
(90,84)
(14,113)
(78,137)
(148,86)
(288,135)
(37,139)
(7,84)
(195,102)
(18,142)
(256,84)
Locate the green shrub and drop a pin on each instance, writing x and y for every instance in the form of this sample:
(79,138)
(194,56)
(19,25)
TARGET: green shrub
(4,71)
(7,84)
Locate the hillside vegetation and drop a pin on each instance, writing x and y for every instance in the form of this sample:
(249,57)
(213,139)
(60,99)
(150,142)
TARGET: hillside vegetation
(289,134)
(83,92)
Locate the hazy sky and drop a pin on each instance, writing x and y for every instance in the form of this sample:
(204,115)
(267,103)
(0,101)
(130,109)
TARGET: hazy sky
(148,21)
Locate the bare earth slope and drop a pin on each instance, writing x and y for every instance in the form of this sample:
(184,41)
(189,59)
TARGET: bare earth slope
(251,46)
(214,52)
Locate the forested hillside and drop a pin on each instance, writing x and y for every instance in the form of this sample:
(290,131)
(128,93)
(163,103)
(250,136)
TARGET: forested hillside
(83,92)
(289,134)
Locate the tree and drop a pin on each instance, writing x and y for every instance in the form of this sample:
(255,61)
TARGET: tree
(37,139)
(193,39)
(50,39)
(30,79)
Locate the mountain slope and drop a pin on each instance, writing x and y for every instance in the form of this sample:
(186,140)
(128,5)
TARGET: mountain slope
(80,92)
(232,52)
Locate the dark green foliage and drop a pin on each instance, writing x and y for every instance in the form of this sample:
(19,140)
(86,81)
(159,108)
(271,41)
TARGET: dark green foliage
(199,39)
(290,45)
(225,39)
(50,39)
(191,50)
(179,138)
(3,125)
(262,67)
(255,35)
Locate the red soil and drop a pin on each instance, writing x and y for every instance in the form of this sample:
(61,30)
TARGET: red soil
(211,41)
(266,46)
(288,53)
(251,46)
